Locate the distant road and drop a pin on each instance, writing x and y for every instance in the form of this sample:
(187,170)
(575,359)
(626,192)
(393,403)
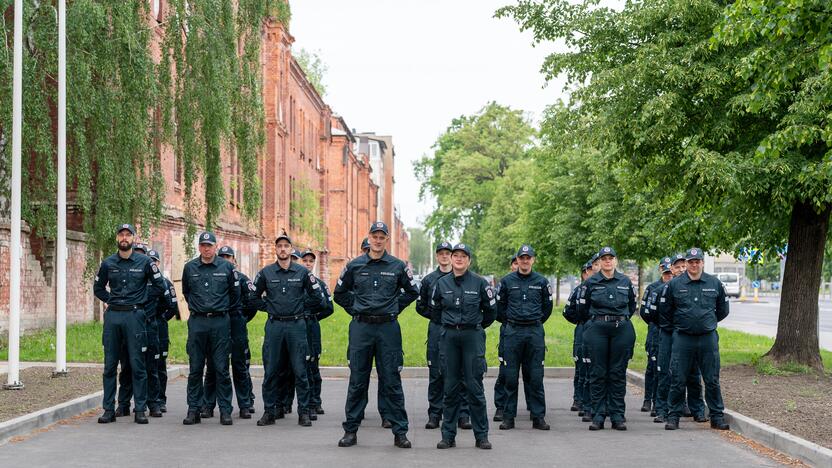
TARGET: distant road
(760,318)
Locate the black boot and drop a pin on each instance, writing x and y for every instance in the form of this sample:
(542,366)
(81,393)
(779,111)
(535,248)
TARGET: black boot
(498,415)
(122,411)
(245,413)
(281,413)
(576,406)
(225,419)
(672,424)
(192,418)
(266,420)
(433,421)
(587,417)
(619,426)
(163,408)
(720,424)
(483,444)
(349,439)
(108,417)
(464,423)
(140,418)
(597,425)
(686,411)
(540,424)
(507,424)
(303,419)
(659,419)
(206,413)
(646,406)
(155,413)
(653,412)
(700,418)
(319,410)
(446,444)
(385,423)
(400,441)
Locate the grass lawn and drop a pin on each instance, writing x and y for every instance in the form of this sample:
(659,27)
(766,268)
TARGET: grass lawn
(84,342)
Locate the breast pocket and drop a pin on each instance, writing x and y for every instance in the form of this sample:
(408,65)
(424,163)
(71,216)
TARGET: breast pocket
(709,299)
(115,279)
(363,284)
(387,285)
(622,297)
(220,284)
(600,297)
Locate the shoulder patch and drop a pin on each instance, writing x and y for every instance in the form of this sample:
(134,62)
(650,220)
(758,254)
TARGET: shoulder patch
(154,268)
(489,292)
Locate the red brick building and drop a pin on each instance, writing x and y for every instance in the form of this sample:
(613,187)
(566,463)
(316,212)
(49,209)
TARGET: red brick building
(307,148)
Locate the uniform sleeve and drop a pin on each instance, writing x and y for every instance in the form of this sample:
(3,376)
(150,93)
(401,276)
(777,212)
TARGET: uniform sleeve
(173,304)
(343,290)
(546,300)
(256,301)
(666,306)
(423,302)
(329,309)
(408,286)
(435,305)
(317,301)
(99,286)
(247,298)
(631,303)
(584,302)
(570,310)
(502,301)
(721,303)
(186,286)
(488,304)
(644,306)
(233,285)
(156,287)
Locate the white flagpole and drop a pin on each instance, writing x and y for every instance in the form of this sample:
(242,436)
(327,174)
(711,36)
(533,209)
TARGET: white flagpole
(61,251)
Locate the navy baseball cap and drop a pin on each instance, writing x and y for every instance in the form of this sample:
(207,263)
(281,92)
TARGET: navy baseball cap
(154,255)
(462,248)
(606,251)
(587,266)
(525,250)
(365,244)
(444,246)
(665,267)
(296,253)
(309,252)
(283,236)
(127,226)
(379,226)
(208,237)
(694,254)
(678,258)
(141,246)
(226,250)
(594,257)
(513,259)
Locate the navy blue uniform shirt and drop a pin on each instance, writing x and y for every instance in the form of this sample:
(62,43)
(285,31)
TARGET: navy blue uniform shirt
(383,286)
(287,290)
(428,282)
(210,287)
(693,306)
(463,300)
(607,296)
(132,281)
(524,298)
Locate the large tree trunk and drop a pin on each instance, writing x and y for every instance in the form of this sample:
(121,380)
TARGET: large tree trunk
(557,290)
(797,326)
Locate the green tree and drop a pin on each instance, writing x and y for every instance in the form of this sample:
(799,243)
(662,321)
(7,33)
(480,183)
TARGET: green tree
(421,249)
(462,175)
(314,68)
(652,89)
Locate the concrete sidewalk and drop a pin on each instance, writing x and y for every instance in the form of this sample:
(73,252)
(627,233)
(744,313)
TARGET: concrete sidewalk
(166,442)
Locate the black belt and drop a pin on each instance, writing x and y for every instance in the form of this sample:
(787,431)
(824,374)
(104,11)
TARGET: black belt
(123,308)
(610,318)
(285,318)
(524,323)
(209,314)
(375,319)
(461,326)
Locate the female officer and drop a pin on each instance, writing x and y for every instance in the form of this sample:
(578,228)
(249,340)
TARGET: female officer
(607,303)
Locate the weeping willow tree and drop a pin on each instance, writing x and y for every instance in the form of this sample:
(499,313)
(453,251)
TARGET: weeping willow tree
(202,97)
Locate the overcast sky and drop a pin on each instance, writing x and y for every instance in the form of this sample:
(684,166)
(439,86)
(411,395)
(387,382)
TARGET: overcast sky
(406,68)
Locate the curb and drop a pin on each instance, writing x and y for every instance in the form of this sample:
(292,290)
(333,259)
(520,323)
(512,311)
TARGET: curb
(40,419)
(771,437)
(416,372)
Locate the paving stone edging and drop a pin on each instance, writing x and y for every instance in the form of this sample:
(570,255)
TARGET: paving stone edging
(789,444)
(40,419)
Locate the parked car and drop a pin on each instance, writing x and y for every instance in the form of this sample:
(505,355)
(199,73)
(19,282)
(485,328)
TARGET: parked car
(731,281)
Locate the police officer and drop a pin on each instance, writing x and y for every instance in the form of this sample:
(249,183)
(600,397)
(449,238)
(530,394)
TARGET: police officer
(648,313)
(211,286)
(694,302)
(524,304)
(125,382)
(287,286)
(465,305)
(239,313)
(608,302)
(570,313)
(374,289)
(285,374)
(500,383)
(314,314)
(133,280)
(167,308)
(436,386)
(695,406)
(585,357)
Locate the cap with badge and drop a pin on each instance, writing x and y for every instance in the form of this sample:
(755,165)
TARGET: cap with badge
(309,252)
(141,246)
(379,226)
(665,267)
(587,266)
(607,251)
(594,257)
(513,259)
(525,250)
(226,251)
(462,248)
(296,253)
(694,254)
(443,246)
(365,244)
(126,226)
(283,236)
(154,255)
(208,237)
(678,258)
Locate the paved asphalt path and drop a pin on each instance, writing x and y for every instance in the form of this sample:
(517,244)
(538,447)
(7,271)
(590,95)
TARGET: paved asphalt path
(760,318)
(166,442)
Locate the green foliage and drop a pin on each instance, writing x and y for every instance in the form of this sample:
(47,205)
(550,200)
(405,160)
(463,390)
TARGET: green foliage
(314,68)
(306,212)
(421,249)
(205,92)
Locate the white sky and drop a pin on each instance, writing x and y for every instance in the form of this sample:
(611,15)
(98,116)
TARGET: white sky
(406,68)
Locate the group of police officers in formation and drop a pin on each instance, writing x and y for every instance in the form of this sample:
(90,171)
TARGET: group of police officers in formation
(682,310)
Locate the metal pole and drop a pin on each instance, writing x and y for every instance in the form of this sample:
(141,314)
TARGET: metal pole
(13,382)
(61,251)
